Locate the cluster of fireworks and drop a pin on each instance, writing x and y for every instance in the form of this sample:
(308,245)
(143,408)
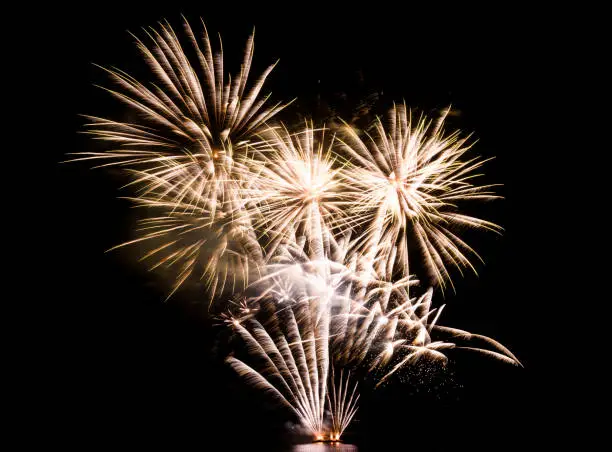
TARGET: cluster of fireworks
(314,230)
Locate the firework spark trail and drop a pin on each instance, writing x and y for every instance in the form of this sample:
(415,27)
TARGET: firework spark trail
(343,404)
(411,179)
(293,348)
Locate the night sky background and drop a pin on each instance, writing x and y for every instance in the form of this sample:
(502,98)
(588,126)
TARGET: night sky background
(129,370)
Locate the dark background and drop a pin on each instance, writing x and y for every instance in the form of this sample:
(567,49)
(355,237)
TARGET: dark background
(123,368)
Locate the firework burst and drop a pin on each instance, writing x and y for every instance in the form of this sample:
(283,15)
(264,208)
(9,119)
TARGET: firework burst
(297,187)
(182,151)
(410,178)
(192,116)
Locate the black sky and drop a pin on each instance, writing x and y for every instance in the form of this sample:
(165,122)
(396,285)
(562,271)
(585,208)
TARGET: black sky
(128,369)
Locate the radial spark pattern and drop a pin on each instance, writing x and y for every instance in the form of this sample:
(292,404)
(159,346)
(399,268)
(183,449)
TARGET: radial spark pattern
(297,189)
(181,146)
(411,178)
